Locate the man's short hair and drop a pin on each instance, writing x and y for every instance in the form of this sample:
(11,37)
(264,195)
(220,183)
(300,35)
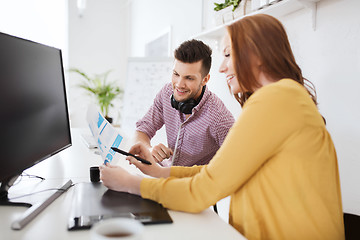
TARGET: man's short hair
(192,51)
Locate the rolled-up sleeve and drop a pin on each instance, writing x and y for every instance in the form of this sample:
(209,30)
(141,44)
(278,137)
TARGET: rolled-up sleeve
(153,120)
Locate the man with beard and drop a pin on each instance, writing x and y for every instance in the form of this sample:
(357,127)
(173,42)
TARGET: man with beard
(196,120)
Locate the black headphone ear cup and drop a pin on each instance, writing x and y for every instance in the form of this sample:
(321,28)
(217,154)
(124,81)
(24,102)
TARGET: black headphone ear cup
(186,107)
(174,103)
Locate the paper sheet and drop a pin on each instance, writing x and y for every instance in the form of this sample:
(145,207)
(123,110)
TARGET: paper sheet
(104,134)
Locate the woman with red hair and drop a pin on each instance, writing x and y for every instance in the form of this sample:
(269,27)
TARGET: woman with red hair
(278,162)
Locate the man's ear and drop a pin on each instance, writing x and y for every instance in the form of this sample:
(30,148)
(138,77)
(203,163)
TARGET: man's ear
(205,80)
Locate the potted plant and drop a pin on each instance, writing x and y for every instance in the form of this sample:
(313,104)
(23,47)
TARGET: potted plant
(98,86)
(227,3)
(224,11)
(231,9)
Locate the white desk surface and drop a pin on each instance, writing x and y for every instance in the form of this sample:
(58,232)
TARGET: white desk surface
(74,163)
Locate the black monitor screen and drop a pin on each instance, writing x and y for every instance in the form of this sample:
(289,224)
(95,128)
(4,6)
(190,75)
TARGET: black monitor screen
(34,118)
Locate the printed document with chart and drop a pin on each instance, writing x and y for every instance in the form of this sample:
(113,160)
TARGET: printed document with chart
(105,135)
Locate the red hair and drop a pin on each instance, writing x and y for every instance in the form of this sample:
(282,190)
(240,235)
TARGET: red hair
(263,36)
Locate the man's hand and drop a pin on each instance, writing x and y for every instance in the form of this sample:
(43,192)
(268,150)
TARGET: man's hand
(161,152)
(154,169)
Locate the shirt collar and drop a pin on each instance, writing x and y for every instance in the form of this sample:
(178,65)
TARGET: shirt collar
(202,101)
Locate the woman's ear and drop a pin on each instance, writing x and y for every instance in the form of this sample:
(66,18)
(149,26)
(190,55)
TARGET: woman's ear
(258,63)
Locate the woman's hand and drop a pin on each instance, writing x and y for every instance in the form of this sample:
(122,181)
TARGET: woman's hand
(154,169)
(118,179)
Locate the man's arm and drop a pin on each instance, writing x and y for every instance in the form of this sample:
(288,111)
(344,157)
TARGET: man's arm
(142,137)
(152,121)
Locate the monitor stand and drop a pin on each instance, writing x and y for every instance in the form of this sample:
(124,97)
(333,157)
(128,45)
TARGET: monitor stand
(4,200)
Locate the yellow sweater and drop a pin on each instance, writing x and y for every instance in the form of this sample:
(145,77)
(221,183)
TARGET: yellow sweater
(279,165)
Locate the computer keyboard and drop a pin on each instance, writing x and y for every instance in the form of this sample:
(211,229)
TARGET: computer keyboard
(89,141)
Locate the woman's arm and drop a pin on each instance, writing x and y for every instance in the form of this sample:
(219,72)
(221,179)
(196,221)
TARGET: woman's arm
(267,120)
(118,179)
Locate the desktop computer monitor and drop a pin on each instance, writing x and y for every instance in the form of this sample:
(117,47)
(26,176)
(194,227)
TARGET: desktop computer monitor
(34,121)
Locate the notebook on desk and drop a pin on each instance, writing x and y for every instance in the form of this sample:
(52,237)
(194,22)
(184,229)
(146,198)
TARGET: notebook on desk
(93,202)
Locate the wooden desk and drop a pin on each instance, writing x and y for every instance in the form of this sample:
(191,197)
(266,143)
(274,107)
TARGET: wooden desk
(74,163)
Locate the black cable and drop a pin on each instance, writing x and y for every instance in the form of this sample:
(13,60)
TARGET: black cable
(24,174)
(32,176)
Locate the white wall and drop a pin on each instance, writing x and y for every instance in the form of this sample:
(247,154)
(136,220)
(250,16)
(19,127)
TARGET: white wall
(330,57)
(186,19)
(98,42)
(40,21)
(37,20)
(149,19)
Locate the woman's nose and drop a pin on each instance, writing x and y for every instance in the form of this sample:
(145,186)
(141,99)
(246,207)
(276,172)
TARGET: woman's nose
(223,67)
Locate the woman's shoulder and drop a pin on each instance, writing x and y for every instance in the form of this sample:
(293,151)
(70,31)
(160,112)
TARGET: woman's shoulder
(283,95)
(287,97)
(285,84)
(284,89)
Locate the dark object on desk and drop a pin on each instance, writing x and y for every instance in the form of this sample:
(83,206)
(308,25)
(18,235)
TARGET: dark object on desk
(129,154)
(215,209)
(93,202)
(352,226)
(94,174)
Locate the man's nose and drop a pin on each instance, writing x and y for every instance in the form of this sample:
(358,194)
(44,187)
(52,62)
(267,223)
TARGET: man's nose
(181,82)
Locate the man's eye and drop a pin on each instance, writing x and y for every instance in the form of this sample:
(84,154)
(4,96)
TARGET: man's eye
(227,55)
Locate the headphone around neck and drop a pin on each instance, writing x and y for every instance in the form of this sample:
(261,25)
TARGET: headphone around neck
(187,106)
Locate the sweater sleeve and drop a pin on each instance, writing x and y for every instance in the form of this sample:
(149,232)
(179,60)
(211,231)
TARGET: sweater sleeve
(267,119)
(180,172)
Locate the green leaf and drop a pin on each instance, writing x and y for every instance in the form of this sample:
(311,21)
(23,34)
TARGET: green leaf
(220,6)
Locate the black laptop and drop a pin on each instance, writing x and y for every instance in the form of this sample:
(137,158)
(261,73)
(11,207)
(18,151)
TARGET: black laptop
(93,202)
